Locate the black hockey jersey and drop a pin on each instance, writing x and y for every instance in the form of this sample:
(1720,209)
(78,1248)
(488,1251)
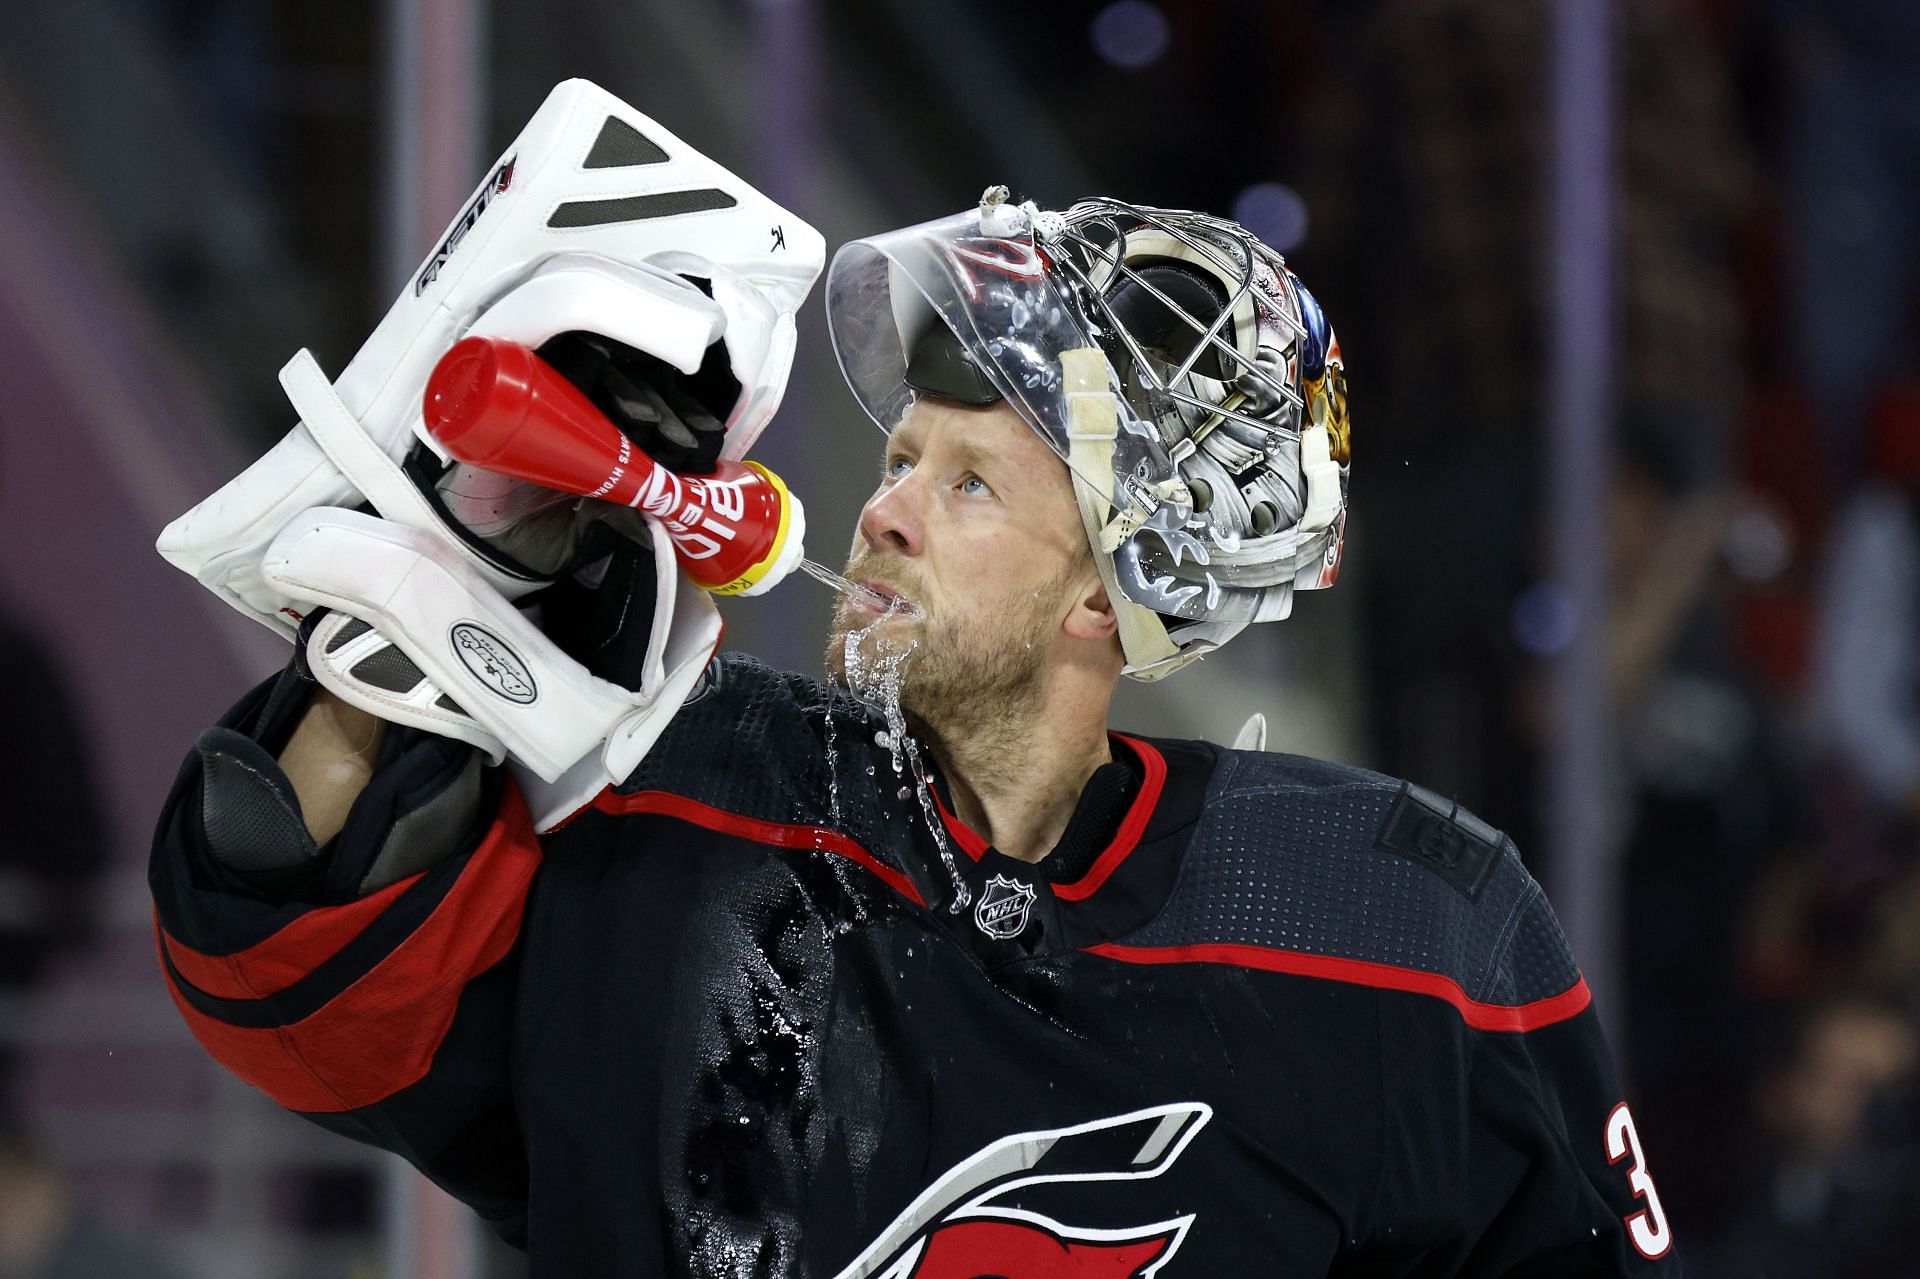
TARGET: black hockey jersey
(1291,1019)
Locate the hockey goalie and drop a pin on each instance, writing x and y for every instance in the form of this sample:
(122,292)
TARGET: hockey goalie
(668,963)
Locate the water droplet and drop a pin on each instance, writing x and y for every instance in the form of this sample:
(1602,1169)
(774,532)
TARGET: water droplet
(833,766)
(853,590)
(876,677)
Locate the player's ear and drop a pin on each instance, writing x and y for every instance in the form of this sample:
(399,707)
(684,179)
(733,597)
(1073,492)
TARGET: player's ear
(1091,615)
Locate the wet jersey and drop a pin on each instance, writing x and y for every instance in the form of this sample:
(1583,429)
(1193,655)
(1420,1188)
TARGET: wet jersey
(745,1015)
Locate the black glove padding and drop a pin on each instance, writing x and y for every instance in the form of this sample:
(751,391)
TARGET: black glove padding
(429,798)
(676,419)
(602,615)
(538,531)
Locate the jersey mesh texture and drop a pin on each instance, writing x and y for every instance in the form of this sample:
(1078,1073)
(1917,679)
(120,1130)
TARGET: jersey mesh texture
(1285,859)
(1538,963)
(752,741)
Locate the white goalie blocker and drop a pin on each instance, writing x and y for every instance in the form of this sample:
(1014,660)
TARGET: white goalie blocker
(595,219)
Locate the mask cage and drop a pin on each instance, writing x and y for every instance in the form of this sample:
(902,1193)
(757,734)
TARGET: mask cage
(1099,237)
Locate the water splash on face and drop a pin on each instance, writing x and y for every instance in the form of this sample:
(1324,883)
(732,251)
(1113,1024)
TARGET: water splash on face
(887,608)
(876,668)
(875,665)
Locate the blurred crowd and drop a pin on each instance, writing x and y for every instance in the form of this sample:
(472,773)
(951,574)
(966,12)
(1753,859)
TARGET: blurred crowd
(50,866)
(1763,550)
(1763,543)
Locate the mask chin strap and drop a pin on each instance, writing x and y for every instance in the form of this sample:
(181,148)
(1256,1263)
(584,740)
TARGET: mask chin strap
(1093,422)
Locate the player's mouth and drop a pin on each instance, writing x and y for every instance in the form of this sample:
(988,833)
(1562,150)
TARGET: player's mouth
(880,599)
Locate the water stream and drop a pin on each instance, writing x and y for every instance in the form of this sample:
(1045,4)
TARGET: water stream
(820,572)
(876,669)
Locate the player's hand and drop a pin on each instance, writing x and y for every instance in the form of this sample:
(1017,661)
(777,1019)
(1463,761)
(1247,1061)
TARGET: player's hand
(420,563)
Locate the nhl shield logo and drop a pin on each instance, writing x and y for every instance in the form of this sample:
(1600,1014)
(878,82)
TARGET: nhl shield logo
(1003,908)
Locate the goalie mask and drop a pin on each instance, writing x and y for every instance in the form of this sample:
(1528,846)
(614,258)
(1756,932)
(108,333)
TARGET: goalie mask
(1190,383)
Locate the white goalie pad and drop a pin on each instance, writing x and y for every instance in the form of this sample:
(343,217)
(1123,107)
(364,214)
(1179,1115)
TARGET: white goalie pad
(472,666)
(591,220)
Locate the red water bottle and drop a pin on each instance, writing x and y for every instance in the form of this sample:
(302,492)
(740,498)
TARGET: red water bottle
(495,404)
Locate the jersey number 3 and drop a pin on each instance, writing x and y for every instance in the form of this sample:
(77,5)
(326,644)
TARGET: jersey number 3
(1648,1227)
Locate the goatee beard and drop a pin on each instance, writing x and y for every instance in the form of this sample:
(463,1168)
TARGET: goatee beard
(967,682)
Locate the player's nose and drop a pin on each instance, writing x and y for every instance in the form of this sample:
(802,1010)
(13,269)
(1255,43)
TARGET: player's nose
(894,518)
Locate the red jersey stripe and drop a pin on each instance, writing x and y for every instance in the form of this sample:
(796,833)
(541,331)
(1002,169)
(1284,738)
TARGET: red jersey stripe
(1359,972)
(1153,777)
(775,834)
(270,966)
(379,1035)
(964,835)
(1153,768)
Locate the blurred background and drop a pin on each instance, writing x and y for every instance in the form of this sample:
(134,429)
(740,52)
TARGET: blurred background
(1633,567)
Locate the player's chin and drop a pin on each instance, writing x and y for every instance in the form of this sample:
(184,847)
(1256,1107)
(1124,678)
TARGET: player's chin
(871,633)
(835,657)
(858,614)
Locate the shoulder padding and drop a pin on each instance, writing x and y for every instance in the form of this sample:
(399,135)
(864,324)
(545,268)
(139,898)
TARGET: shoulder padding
(752,741)
(1304,858)
(748,739)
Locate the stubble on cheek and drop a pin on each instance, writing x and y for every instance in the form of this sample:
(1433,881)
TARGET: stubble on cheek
(981,668)
(976,667)
(850,618)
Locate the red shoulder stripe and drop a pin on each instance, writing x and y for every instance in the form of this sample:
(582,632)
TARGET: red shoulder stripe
(776,834)
(270,966)
(1480,1016)
(1154,776)
(380,1034)
(1153,767)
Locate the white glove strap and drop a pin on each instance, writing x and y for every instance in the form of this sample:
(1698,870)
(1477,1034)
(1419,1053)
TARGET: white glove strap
(542,707)
(364,668)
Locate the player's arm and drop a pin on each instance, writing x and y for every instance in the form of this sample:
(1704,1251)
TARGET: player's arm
(329,760)
(341,871)
(339,915)
(1548,1106)
(1512,1151)
(364,981)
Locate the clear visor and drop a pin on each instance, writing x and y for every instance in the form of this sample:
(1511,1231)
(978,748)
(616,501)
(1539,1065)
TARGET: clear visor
(994,291)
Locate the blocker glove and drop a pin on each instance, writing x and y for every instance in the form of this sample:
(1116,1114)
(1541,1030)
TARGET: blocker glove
(580,244)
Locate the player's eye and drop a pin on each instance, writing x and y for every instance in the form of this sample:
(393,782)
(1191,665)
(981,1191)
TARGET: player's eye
(898,466)
(974,486)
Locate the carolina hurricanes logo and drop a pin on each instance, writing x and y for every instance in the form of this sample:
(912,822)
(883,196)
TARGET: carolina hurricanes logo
(960,1228)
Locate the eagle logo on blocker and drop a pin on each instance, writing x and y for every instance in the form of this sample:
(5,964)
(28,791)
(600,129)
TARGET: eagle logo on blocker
(1003,908)
(957,1230)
